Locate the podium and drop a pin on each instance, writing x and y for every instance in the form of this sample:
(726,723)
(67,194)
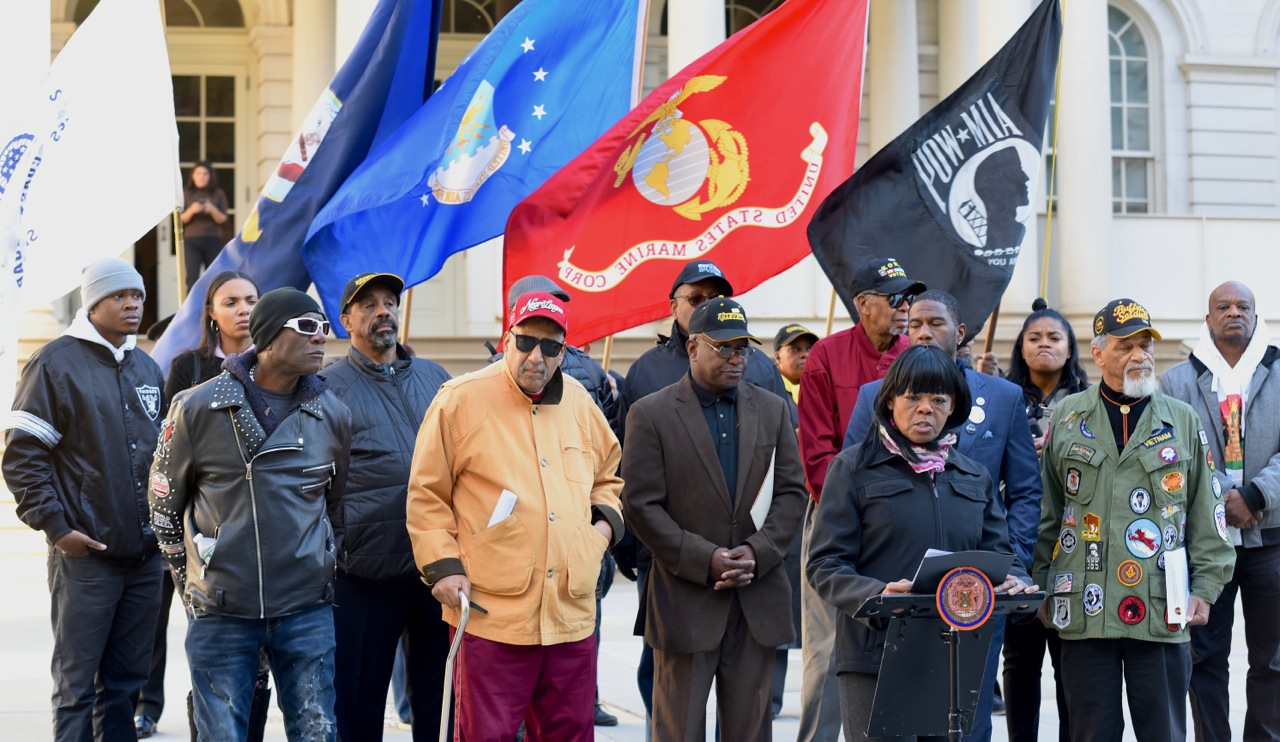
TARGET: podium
(932,671)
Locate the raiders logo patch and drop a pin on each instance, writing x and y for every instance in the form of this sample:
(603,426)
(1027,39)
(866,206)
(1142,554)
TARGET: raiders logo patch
(149,396)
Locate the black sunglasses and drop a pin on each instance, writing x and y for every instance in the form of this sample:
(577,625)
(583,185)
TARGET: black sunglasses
(896,300)
(526,344)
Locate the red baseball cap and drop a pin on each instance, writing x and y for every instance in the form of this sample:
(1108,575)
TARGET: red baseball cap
(538,304)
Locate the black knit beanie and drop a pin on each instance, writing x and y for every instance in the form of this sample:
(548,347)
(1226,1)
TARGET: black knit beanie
(274,309)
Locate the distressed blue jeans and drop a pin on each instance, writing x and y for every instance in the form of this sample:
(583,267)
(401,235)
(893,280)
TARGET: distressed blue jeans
(223,653)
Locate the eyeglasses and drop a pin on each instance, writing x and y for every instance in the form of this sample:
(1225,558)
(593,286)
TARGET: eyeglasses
(695,299)
(726,351)
(895,300)
(526,344)
(308,326)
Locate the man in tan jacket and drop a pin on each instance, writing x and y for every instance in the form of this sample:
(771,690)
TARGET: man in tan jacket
(513,499)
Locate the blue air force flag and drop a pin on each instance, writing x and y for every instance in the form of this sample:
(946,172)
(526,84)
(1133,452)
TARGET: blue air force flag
(952,196)
(382,83)
(551,77)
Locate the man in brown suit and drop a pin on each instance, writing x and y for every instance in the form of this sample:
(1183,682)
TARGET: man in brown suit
(717,603)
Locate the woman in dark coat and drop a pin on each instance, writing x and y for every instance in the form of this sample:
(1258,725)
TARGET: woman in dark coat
(903,490)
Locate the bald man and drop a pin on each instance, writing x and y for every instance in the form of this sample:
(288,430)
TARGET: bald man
(1232,379)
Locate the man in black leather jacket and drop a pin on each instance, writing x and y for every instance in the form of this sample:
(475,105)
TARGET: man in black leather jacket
(246,467)
(378,595)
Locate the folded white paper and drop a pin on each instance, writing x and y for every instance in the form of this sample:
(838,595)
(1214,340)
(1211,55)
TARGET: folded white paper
(502,511)
(1177,585)
(764,498)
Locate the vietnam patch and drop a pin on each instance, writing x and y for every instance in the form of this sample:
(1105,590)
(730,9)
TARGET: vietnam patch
(1080,451)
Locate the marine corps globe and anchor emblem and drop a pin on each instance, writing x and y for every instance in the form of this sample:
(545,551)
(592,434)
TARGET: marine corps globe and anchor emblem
(701,171)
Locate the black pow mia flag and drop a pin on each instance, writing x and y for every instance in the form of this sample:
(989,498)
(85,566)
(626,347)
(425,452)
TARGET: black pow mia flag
(952,196)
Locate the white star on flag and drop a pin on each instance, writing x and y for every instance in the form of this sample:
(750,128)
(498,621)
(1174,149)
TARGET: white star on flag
(425,199)
(525,146)
(963,135)
(527,45)
(540,75)
(539,111)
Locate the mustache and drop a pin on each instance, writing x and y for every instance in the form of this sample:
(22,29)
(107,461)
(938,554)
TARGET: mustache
(385,324)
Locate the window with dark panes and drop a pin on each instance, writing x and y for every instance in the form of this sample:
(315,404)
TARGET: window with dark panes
(206,110)
(1132,155)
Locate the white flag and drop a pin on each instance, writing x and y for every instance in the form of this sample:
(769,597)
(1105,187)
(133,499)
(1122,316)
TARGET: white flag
(101,161)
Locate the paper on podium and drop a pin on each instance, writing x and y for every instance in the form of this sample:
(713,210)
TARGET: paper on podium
(936,564)
(506,505)
(764,498)
(1177,585)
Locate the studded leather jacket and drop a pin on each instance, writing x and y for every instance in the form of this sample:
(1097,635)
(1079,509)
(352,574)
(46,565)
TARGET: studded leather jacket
(1110,520)
(241,514)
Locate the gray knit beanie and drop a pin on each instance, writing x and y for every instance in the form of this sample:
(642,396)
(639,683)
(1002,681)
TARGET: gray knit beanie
(106,277)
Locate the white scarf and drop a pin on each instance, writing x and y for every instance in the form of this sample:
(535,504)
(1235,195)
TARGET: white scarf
(82,329)
(1228,379)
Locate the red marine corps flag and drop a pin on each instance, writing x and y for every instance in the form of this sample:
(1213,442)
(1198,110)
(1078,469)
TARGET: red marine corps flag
(726,161)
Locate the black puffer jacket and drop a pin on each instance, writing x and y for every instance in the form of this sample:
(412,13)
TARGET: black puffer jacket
(388,402)
(875,523)
(260,497)
(78,445)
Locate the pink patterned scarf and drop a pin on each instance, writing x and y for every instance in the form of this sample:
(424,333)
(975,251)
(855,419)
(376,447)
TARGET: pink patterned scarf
(929,460)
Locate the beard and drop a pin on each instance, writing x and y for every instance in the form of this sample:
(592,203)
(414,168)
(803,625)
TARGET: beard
(382,336)
(1142,386)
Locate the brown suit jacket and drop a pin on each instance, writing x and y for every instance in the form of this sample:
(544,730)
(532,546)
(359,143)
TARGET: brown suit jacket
(676,502)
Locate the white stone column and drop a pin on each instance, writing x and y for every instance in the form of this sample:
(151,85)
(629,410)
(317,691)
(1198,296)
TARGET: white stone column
(313,55)
(1082,225)
(958,33)
(272,47)
(694,27)
(893,70)
(351,16)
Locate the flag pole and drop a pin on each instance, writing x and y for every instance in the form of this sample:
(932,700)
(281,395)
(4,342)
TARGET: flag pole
(608,353)
(1053,168)
(831,311)
(991,329)
(178,250)
(405,316)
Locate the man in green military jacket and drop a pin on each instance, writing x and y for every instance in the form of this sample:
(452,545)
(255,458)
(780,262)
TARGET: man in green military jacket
(1133,544)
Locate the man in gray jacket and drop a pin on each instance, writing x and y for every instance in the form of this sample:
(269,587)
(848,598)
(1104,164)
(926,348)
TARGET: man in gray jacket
(378,595)
(246,466)
(1232,379)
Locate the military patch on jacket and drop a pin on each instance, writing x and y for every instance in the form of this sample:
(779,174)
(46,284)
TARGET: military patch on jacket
(1204,439)
(1069,516)
(1080,451)
(1220,520)
(1129,573)
(1062,612)
(1073,481)
(1092,599)
(1139,500)
(1217,488)
(1092,530)
(1168,454)
(1062,583)
(1093,556)
(1168,511)
(1164,435)
(1208,459)
(1084,429)
(1170,536)
(1068,540)
(1173,482)
(1143,538)
(1132,610)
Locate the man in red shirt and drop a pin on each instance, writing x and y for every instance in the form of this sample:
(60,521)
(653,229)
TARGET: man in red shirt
(837,366)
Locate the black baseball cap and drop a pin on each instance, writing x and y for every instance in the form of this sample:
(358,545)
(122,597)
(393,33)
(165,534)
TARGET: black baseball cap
(884,276)
(721,320)
(791,333)
(1123,318)
(389,280)
(702,270)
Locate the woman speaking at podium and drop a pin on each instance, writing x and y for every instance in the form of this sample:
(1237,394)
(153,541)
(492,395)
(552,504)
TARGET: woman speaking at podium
(903,490)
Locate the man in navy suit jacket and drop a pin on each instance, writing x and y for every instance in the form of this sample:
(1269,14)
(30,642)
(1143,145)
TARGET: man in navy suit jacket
(996,435)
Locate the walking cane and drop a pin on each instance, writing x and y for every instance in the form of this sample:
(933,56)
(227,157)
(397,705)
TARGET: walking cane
(448,666)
